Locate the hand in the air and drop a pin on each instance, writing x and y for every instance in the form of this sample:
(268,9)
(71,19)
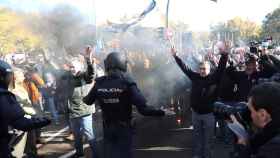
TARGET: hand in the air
(224,47)
(173,51)
(88,52)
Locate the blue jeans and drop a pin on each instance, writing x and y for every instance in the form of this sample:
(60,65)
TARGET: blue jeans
(118,141)
(203,134)
(83,126)
(52,108)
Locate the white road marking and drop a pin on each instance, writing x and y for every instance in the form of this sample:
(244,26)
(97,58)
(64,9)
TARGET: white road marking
(52,136)
(182,129)
(164,148)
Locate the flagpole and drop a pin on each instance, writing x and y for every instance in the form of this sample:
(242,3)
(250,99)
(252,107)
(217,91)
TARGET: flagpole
(167,14)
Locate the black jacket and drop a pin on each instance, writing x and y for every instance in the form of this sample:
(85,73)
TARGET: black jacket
(271,130)
(262,137)
(204,89)
(11,114)
(227,91)
(246,82)
(116,94)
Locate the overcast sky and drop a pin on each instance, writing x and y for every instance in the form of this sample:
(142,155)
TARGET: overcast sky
(199,14)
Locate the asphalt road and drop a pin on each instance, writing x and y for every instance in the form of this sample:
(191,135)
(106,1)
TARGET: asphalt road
(154,138)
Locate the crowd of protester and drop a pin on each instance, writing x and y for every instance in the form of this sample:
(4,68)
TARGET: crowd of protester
(231,84)
(47,83)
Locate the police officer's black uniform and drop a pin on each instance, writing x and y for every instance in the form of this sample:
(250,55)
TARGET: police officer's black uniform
(116,93)
(11,113)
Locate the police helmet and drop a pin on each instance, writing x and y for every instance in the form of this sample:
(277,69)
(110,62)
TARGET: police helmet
(115,61)
(5,70)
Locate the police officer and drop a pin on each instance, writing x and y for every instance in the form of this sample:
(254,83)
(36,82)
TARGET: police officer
(116,93)
(11,113)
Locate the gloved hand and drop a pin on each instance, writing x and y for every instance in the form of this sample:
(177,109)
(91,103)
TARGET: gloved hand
(40,122)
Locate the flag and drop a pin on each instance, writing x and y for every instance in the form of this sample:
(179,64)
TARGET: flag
(149,8)
(124,26)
